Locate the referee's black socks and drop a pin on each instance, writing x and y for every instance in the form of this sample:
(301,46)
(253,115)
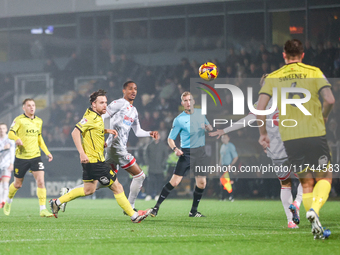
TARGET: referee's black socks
(198,193)
(164,193)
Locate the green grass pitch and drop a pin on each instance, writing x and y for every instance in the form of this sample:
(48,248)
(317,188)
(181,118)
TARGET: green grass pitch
(99,227)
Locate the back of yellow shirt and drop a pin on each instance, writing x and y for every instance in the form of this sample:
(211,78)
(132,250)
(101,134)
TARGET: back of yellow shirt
(92,129)
(304,76)
(28,130)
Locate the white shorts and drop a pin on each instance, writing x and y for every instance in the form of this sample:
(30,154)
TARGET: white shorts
(283,171)
(121,157)
(4,172)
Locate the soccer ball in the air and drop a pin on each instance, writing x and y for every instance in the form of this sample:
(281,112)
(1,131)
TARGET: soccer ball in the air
(208,71)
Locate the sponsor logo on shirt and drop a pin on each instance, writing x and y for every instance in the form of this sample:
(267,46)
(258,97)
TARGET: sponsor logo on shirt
(127,120)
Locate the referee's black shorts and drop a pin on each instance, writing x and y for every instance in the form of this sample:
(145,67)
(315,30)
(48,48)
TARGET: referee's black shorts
(310,153)
(100,171)
(191,159)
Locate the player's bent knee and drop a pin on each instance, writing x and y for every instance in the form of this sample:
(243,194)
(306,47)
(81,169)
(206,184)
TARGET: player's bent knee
(140,176)
(117,188)
(89,191)
(286,183)
(17,186)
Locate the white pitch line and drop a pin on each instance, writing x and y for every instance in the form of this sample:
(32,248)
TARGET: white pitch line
(155,236)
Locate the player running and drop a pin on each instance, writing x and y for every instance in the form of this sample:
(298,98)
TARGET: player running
(124,116)
(305,143)
(7,154)
(276,152)
(26,132)
(88,136)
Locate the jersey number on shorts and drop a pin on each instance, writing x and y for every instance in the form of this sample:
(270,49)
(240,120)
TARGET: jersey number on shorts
(41,165)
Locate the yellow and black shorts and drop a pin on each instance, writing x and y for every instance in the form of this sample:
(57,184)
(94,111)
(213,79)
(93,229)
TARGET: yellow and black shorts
(100,171)
(308,153)
(21,166)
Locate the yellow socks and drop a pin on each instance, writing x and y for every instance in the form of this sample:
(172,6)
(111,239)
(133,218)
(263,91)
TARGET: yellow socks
(74,193)
(41,194)
(12,191)
(124,203)
(320,194)
(307,199)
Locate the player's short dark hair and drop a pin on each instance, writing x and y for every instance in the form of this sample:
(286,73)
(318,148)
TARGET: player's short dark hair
(26,100)
(127,83)
(96,94)
(1,123)
(293,48)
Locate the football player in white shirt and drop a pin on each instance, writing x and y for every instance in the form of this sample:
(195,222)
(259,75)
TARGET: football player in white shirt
(124,116)
(7,155)
(277,153)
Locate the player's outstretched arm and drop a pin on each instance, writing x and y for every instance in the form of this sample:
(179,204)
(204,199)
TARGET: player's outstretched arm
(154,134)
(250,118)
(76,136)
(139,132)
(328,102)
(262,104)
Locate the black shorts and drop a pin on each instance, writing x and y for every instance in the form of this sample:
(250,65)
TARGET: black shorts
(190,159)
(21,166)
(308,153)
(100,171)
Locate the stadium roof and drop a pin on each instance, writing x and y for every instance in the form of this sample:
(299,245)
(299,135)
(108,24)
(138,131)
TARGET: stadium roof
(14,8)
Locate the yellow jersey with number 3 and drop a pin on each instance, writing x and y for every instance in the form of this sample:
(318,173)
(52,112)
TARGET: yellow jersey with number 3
(91,127)
(301,76)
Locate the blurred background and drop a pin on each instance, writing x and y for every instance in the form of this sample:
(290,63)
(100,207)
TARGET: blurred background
(58,52)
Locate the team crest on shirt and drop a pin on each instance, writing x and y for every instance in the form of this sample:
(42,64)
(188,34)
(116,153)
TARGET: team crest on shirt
(83,121)
(127,120)
(127,157)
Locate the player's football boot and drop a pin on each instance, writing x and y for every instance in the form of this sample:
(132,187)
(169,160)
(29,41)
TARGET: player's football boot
(313,218)
(63,191)
(196,214)
(7,208)
(54,207)
(45,213)
(325,235)
(127,214)
(2,204)
(141,216)
(295,210)
(292,225)
(153,212)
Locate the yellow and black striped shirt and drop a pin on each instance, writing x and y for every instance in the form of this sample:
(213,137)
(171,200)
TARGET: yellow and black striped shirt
(91,127)
(301,76)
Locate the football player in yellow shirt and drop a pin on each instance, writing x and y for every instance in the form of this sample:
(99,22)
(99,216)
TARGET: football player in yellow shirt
(26,132)
(305,141)
(88,137)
